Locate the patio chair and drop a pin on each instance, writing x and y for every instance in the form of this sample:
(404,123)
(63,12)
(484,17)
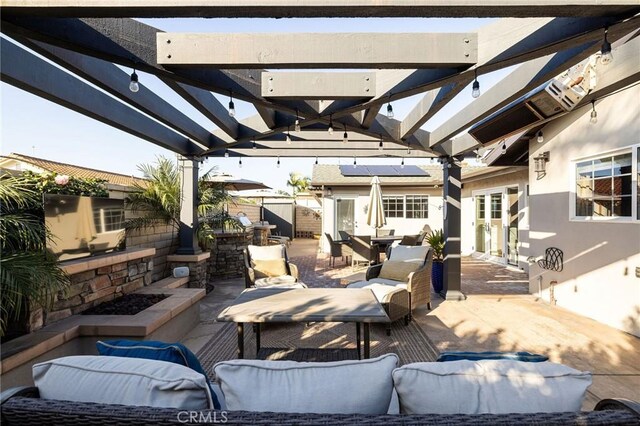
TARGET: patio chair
(363,250)
(401,283)
(386,232)
(269,267)
(409,240)
(338,249)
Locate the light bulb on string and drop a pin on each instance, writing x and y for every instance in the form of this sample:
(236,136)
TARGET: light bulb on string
(345,136)
(330,129)
(503,151)
(134,86)
(253,145)
(316,160)
(354,163)
(296,125)
(226,153)
(389,110)
(278,162)
(402,163)
(240,162)
(594,113)
(475,87)
(540,137)
(381,145)
(232,108)
(408,148)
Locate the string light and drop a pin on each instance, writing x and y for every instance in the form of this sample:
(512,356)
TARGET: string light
(288,138)
(226,153)
(503,151)
(278,162)
(389,110)
(240,162)
(296,125)
(381,144)
(475,87)
(402,163)
(232,108)
(134,86)
(408,148)
(540,136)
(316,160)
(330,129)
(605,51)
(594,113)
(253,145)
(345,136)
(354,162)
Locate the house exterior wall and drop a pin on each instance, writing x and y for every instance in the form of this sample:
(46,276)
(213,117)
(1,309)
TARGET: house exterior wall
(599,279)
(518,178)
(402,226)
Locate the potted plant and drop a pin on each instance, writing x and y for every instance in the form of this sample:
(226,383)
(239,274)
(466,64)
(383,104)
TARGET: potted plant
(436,240)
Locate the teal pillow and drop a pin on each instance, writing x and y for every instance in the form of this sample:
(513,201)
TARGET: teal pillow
(478,356)
(176,353)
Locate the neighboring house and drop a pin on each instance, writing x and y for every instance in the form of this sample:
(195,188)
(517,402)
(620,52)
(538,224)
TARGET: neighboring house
(117,184)
(494,205)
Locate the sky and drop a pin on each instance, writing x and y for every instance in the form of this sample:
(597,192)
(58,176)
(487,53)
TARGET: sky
(34,126)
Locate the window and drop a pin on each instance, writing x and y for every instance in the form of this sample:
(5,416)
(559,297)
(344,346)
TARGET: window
(393,206)
(109,219)
(417,206)
(604,186)
(496,206)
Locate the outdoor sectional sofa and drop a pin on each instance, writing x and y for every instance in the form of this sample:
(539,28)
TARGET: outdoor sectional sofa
(261,392)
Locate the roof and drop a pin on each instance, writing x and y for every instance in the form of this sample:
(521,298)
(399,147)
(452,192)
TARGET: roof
(329,174)
(76,171)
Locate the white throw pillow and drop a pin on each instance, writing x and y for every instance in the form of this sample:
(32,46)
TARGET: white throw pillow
(350,387)
(489,386)
(409,253)
(119,380)
(266,252)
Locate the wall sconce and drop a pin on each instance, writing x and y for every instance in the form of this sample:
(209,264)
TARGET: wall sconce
(540,164)
(328,192)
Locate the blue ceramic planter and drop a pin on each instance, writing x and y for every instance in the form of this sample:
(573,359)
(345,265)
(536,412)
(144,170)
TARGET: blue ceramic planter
(437,276)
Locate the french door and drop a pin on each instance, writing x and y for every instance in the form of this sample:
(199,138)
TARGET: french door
(496,224)
(345,222)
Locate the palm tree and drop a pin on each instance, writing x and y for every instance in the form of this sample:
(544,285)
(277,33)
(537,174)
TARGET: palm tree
(28,272)
(159,198)
(298,182)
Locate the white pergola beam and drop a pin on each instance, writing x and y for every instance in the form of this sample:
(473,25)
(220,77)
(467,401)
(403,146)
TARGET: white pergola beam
(318,8)
(317,50)
(318,85)
(289,152)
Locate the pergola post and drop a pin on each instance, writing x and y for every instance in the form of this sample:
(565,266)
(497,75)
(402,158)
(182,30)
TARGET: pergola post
(188,207)
(452,189)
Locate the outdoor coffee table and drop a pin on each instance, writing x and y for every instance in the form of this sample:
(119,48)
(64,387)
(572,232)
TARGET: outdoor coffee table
(263,305)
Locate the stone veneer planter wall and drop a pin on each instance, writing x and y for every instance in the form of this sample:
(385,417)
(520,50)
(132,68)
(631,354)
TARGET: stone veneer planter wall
(226,254)
(98,279)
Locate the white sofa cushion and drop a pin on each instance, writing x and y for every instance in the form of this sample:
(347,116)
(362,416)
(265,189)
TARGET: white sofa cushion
(350,387)
(284,281)
(120,380)
(489,386)
(416,254)
(382,292)
(266,252)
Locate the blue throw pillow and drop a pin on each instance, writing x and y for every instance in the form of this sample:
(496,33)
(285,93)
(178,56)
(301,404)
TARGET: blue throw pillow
(478,356)
(176,353)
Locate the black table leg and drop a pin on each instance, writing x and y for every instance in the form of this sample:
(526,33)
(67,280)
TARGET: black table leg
(257,329)
(358,339)
(240,328)
(366,340)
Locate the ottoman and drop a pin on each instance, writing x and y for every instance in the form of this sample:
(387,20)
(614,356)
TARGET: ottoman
(394,300)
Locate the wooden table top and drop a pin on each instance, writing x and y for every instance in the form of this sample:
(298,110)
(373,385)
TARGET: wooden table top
(305,304)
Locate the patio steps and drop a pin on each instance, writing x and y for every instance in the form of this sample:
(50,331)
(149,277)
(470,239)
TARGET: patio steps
(170,282)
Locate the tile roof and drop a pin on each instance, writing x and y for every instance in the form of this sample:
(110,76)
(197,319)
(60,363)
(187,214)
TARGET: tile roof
(76,171)
(329,174)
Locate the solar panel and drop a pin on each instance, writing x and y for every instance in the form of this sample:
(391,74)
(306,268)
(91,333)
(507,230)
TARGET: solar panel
(361,171)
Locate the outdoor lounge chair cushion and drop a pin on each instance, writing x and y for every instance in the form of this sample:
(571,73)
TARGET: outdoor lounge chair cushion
(349,387)
(397,270)
(409,254)
(477,356)
(382,292)
(490,386)
(266,252)
(283,281)
(265,268)
(160,351)
(119,380)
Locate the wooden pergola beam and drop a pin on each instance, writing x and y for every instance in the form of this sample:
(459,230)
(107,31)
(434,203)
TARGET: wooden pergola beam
(317,8)
(322,153)
(317,50)
(318,85)
(34,75)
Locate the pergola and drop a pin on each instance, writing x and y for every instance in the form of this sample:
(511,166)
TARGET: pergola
(88,39)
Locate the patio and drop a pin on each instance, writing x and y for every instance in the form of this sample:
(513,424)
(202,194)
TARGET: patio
(498,315)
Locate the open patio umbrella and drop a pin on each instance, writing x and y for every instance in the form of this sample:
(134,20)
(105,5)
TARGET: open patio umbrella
(232,183)
(375,215)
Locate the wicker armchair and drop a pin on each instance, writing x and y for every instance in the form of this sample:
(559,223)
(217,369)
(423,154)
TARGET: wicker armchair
(417,284)
(250,273)
(338,249)
(364,250)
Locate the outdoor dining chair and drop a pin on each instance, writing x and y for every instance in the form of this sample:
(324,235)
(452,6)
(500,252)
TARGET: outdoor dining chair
(338,249)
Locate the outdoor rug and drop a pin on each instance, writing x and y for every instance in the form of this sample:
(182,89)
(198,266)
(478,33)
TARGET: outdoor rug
(318,341)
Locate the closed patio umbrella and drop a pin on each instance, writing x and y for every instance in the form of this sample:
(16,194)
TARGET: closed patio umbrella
(375,215)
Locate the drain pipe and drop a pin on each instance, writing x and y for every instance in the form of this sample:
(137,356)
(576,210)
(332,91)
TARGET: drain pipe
(539,285)
(552,296)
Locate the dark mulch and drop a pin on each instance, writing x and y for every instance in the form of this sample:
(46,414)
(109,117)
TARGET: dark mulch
(129,304)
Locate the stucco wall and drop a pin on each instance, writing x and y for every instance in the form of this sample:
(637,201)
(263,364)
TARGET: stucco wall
(402,226)
(517,178)
(600,258)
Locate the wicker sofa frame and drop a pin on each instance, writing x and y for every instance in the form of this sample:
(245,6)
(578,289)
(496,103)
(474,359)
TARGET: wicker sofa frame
(22,406)
(250,274)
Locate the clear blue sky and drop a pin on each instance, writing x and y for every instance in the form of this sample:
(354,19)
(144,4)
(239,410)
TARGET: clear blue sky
(33,126)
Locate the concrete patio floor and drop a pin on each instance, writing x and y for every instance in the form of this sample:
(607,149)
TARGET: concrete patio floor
(498,315)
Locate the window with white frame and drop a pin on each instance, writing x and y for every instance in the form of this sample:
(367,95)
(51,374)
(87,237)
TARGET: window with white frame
(604,186)
(417,206)
(393,206)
